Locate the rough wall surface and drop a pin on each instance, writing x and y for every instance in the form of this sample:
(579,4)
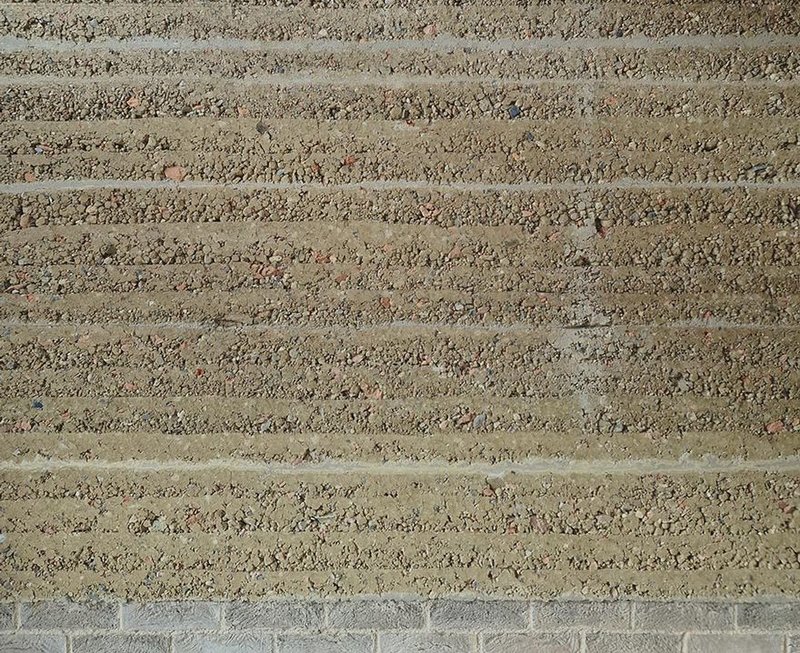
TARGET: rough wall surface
(494,298)
(400,626)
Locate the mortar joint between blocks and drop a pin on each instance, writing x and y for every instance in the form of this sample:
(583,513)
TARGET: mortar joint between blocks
(326,614)
(223,618)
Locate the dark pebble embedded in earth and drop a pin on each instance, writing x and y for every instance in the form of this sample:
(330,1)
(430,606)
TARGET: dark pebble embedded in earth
(38,405)
(514,111)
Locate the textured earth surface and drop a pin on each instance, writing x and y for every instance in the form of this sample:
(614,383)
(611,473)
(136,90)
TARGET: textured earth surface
(334,298)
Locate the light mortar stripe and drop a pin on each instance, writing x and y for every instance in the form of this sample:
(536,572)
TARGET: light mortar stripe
(399,184)
(441,43)
(531,467)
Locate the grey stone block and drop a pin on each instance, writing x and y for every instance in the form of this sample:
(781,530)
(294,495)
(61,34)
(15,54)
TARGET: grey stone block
(603,615)
(769,616)
(121,643)
(728,643)
(27,643)
(347,643)
(376,615)
(633,643)
(171,615)
(44,615)
(427,643)
(679,617)
(479,616)
(6,616)
(276,615)
(223,643)
(532,643)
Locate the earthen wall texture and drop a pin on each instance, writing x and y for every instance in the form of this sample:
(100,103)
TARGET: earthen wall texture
(371,625)
(486,298)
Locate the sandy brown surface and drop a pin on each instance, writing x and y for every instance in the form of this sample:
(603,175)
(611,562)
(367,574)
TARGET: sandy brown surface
(499,298)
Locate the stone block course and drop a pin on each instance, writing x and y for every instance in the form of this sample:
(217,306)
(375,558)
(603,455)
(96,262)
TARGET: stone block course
(27,643)
(428,643)
(223,643)
(479,615)
(371,614)
(633,643)
(532,643)
(406,625)
(340,643)
(739,643)
(276,615)
(7,616)
(556,615)
(71,615)
(171,615)
(680,617)
(769,616)
(121,643)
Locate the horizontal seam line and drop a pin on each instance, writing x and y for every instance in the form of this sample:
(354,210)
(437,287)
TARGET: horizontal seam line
(528,468)
(400,184)
(700,41)
(390,80)
(411,597)
(555,329)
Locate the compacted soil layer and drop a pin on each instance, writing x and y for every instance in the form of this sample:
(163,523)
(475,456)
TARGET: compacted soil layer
(497,298)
